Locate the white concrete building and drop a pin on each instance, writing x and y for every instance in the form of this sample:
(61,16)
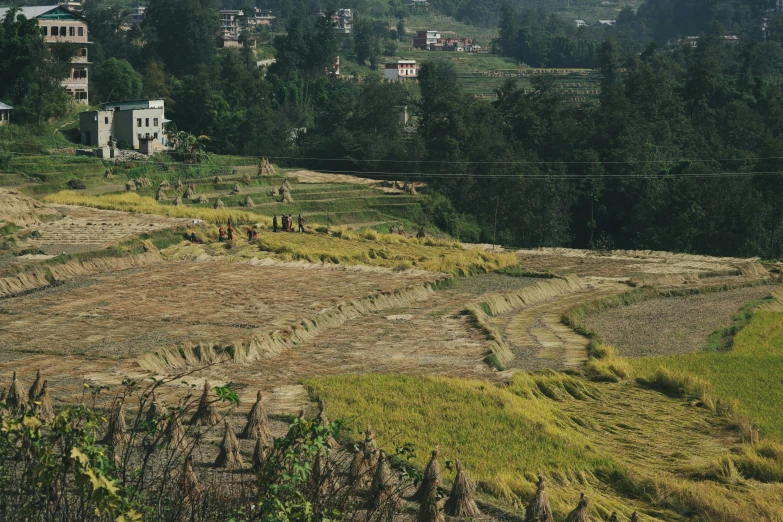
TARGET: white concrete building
(138,124)
(399,70)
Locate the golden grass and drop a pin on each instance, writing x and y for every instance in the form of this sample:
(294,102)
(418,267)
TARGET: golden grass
(132,202)
(546,423)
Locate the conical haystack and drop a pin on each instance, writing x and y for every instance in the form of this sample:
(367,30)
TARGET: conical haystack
(634,517)
(410,189)
(160,195)
(45,410)
(35,389)
(218,204)
(579,514)
(382,489)
(203,199)
(108,174)
(229,456)
(324,423)
(189,193)
(16,400)
(265,168)
(432,476)
(144,182)
(364,462)
(236,189)
(175,433)
(117,430)
(257,426)
(164,185)
(539,509)
(429,510)
(206,414)
(322,476)
(260,455)
(460,502)
(3,394)
(245,179)
(130,186)
(178,203)
(189,480)
(249,202)
(179,185)
(156,412)
(287,197)
(218,179)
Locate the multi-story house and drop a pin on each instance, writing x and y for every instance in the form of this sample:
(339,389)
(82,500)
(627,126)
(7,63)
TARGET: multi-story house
(61,25)
(231,20)
(138,124)
(399,70)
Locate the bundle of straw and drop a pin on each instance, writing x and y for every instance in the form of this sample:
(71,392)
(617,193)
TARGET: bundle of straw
(206,414)
(539,509)
(432,476)
(45,410)
(579,514)
(460,502)
(16,399)
(257,426)
(229,456)
(35,389)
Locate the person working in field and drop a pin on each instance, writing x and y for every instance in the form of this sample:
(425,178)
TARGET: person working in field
(230,231)
(274,223)
(193,238)
(249,234)
(301,223)
(221,235)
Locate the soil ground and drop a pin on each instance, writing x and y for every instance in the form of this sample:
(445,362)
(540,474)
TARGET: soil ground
(671,325)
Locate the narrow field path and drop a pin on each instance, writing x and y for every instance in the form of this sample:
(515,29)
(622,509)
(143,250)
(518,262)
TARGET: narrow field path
(540,340)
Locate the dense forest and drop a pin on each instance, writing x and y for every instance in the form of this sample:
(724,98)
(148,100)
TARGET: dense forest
(682,151)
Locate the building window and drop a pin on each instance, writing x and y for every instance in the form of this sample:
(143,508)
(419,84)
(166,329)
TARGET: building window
(62,31)
(71,31)
(156,135)
(54,31)
(106,120)
(44,30)
(81,31)
(138,122)
(75,73)
(155,123)
(147,122)
(84,51)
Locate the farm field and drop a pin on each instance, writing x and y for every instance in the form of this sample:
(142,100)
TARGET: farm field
(429,340)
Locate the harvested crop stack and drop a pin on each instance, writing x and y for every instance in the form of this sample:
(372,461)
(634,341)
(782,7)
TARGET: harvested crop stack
(218,204)
(260,455)
(539,509)
(324,423)
(3,395)
(460,502)
(365,461)
(428,507)
(265,168)
(249,202)
(381,491)
(245,179)
(206,413)
(175,433)
(117,432)
(178,203)
(164,185)
(108,174)
(35,389)
(287,184)
(323,476)
(410,189)
(189,481)
(179,185)
(217,179)
(634,517)
(257,426)
(144,182)
(130,186)
(236,189)
(579,514)
(229,456)
(432,476)
(156,412)
(189,193)
(45,410)
(160,195)
(16,400)
(287,197)
(202,199)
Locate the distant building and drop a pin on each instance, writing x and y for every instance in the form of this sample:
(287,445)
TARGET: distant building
(230,40)
(731,39)
(399,70)
(426,40)
(231,20)
(5,114)
(417,3)
(433,41)
(136,17)
(607,22)
(580,23)
(61,25)
(343,21)
(137,123)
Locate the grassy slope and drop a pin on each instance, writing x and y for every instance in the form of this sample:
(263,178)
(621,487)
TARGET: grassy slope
(750,372)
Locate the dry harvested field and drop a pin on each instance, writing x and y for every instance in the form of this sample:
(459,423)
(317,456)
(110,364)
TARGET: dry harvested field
(671,325)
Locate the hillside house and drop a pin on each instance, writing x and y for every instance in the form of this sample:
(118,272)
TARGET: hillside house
(342,20)
(231,20)
(5,114)
(607,22)
(580,23)
(61,25)
(137,15)
(426,40)
(137,123)
(417,3)
(399,70)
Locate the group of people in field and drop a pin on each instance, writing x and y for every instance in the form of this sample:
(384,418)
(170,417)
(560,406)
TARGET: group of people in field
(227,234)
(287,223)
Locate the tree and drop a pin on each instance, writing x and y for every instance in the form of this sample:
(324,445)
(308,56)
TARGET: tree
(182,32)
(115,80)
(31,73)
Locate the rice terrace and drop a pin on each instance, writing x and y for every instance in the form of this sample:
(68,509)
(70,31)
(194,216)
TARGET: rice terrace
(644,380)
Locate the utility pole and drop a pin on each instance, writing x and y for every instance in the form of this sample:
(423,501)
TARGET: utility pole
(495,230)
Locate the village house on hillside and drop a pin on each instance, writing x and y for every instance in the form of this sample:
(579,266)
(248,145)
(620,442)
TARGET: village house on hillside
(61,25)
(399,70)
(137,123)
(5,114)
(231,20)
(433,41)
(342,20)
